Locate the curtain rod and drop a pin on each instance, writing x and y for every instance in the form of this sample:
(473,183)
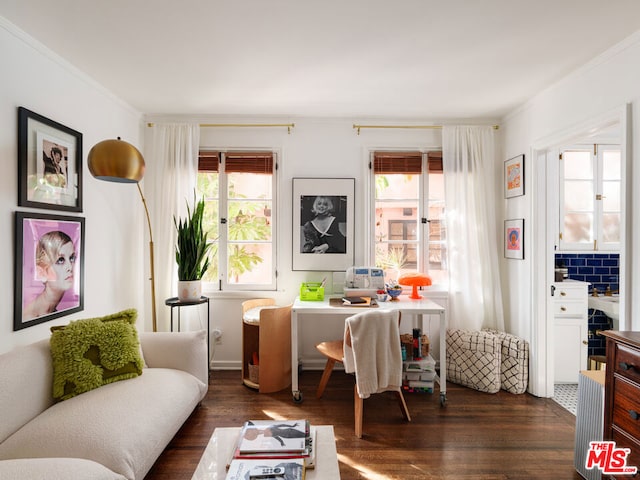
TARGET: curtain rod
(207,125)
(434,127)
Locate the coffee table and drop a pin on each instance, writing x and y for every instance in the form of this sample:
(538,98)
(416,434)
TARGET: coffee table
(213,464)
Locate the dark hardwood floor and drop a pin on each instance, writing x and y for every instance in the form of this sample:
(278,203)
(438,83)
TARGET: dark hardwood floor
(475,436)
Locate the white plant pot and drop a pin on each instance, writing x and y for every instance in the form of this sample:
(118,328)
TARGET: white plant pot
(189,290)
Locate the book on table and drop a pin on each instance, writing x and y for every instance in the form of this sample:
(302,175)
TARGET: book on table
(275,436)
(357,301)
(283,469)
(279,443)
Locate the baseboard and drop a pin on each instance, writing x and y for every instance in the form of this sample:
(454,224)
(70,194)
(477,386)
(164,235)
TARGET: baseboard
(307,364)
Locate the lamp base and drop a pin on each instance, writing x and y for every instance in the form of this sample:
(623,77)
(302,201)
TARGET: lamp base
(414,293)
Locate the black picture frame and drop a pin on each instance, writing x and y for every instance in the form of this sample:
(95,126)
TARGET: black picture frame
(514,177)
(44,181)
(341,194)
(64,273)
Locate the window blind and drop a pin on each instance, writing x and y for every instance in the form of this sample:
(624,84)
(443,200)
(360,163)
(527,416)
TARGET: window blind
(397,162)
(238,162)
(208,161)
(248,162)
(434,160)
(408,163)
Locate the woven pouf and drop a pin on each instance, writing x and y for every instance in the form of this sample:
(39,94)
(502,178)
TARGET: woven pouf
(474,359)
(514,369)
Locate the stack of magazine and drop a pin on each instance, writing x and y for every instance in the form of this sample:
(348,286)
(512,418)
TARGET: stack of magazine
(273,449)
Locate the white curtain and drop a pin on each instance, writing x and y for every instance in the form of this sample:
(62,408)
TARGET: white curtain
(172,167)
(469,163)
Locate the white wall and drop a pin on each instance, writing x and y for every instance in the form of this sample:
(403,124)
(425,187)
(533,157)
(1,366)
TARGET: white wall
(116,251)
(328,148)
(35,78)
(604,85)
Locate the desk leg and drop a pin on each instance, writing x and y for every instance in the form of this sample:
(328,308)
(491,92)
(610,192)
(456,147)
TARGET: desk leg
(443,359)
(296,393)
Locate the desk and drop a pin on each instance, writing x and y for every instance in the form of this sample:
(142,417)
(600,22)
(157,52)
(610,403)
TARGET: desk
(408,307)
(174,302)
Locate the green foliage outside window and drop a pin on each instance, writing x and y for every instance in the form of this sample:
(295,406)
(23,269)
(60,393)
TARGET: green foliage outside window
(245,223)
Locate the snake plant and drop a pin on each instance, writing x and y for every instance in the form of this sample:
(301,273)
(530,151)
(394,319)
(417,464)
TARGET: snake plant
(192,246)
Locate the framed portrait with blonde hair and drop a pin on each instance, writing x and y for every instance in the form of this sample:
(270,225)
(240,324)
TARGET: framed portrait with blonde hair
(49,268)
(323,222)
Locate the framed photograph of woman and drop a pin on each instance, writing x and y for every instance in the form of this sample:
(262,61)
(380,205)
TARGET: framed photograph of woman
(323,223)
(49,268)
(49,163)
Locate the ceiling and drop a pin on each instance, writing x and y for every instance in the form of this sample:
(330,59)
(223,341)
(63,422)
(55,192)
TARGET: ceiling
(423,59)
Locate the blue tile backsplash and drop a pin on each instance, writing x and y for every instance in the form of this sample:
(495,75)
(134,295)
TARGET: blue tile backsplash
(601,270)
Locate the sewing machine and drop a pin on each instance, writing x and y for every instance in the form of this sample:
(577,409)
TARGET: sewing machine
(363,281)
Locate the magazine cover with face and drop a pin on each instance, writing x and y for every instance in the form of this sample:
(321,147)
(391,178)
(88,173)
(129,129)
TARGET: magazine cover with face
(273,436)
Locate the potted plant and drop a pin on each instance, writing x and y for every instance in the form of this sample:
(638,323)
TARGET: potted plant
(390,258)
(191,252)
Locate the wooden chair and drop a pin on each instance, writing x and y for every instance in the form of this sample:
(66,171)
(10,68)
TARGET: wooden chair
(334,351)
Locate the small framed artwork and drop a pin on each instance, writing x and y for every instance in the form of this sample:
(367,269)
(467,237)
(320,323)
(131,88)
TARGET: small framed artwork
(49,268)
(514,177)
(514,238)
(323,223)
(49,163)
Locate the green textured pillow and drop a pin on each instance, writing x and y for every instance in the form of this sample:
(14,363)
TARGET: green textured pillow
(93,352)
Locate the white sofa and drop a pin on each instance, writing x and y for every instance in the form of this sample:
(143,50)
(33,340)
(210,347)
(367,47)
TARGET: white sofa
(116,431)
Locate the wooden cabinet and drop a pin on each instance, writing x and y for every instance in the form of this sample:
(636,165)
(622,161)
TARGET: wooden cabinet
(571,330)
(266,334)
(622,393)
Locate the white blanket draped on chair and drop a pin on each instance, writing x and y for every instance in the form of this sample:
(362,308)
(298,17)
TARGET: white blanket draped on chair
(374,354)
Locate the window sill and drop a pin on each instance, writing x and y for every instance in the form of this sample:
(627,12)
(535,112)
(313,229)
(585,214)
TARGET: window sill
(238,294)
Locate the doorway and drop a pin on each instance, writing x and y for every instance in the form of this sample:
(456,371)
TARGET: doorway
(545,236)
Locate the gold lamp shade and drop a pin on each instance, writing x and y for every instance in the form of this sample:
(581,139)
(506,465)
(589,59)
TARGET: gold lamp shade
(116,161)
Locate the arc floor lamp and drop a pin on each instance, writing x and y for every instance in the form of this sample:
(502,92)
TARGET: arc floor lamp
(121,162)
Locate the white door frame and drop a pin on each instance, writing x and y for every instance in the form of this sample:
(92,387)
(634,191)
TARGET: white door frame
(543,213)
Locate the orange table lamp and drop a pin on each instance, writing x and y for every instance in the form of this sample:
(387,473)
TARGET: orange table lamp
(415,280)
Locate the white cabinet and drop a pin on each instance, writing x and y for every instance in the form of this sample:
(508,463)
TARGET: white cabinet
(571,329)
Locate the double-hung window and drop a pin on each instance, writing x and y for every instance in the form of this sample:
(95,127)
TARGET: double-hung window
(239,189)
(408,230)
